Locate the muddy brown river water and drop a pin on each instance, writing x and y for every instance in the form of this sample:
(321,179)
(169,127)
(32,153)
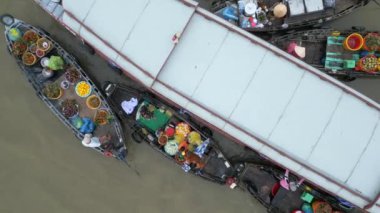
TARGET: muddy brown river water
(44,168)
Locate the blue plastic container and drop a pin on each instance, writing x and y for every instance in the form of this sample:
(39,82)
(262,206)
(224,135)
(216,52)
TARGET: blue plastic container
(230,13)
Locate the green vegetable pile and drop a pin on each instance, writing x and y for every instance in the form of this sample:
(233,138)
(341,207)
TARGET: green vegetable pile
(56,63)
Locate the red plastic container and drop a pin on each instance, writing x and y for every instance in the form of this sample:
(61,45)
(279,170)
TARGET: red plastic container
(353,42)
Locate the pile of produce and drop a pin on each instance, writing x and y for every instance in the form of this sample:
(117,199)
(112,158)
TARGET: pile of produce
(101,117)
(33,48)
(19,47)
(52,91)
(72,75)
(14,34)
(30,37)
(368,63)
(43,44)
(40,53)
(93,102)
(69,108)
(56,63)
(29,58)
(372,42)
(83,89)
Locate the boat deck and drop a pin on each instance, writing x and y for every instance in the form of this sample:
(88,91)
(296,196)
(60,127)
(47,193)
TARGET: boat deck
(84,111)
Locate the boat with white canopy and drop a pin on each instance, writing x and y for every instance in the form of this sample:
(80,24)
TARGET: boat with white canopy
(241,86)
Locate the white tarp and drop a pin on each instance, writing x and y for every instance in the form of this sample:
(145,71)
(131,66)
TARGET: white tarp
(320,129)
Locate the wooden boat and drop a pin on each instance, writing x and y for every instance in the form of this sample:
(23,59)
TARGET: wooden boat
(325,51)
(276,15)
(243,87)
(170,133)
(263,182)
(61,91)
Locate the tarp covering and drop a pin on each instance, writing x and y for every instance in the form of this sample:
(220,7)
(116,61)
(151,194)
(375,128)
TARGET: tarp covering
(283,108)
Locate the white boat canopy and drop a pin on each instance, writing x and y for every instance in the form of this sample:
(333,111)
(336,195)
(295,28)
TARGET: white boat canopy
(242,86)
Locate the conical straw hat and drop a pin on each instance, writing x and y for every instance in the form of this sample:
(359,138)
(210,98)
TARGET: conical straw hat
(280,10)
(300,51)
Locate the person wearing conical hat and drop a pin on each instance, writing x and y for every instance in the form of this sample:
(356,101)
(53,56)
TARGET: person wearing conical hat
(280,10)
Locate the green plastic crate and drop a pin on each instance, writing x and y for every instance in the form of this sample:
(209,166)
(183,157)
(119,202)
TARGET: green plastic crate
(307,197)
(349,64)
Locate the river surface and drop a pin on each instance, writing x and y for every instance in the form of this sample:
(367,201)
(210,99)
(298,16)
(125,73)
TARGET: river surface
(44,168)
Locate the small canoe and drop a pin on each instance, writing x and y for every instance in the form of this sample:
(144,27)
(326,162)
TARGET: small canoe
(324,49)
(64,87)
(172,134)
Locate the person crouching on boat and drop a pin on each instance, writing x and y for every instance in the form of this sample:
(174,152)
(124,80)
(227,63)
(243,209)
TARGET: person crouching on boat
(92,142)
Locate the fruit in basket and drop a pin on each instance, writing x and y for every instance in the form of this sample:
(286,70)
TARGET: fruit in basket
(33,48)
(19,47)
(29,58)
(372,42)
(194,138)
(30,36)
(72,75)
(101,117)
(162,139)
(43,44)
(14,34)
(93,102)
(182,129)
(83,89)
(40,53)
(367,63)
(52,91)
(171,147)
(69,108)
(321,207)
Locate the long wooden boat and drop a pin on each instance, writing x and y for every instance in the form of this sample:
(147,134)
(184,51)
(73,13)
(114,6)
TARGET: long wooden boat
(263,182)
(241,86)
(275,15)
(325,51)
(60,89)
(169,133)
